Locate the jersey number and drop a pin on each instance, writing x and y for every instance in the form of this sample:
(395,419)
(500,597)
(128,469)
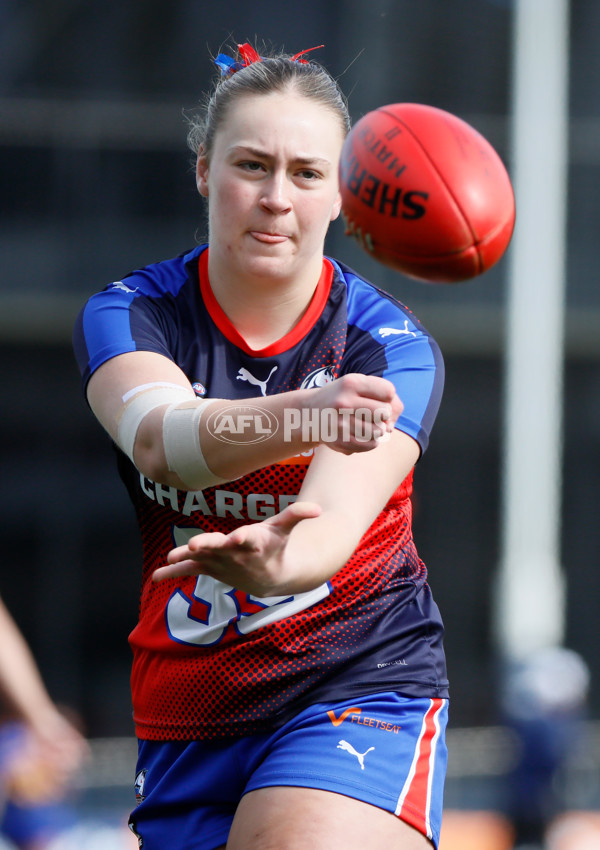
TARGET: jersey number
(214,608)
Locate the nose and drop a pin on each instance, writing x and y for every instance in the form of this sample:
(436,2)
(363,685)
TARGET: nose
(276,195)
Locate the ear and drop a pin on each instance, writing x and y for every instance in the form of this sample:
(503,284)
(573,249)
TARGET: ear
(336,208)
(202,174)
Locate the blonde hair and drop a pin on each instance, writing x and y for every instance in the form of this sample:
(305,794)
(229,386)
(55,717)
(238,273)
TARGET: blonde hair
(271,74)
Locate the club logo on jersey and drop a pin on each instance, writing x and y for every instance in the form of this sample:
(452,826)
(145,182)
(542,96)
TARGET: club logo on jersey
(199,389)
(344,745)
(244,423)
(118,284)
(244,375)
(318,378)
(140,781)
(383,332)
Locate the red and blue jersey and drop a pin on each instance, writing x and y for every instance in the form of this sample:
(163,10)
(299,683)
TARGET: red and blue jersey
(208,659)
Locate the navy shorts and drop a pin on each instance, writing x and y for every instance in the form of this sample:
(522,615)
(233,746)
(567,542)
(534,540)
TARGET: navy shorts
(384,749)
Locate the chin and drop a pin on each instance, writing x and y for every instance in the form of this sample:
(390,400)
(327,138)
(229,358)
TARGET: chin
(272,272)
(269,266)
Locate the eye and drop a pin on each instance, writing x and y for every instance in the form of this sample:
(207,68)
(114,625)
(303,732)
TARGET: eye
(251,166)
(309,175)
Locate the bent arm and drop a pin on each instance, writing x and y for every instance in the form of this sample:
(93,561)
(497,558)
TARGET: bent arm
(114,382)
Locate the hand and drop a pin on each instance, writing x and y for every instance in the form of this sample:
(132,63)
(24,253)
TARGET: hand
(250,558)
(46,760)
(362,411)
(60,740)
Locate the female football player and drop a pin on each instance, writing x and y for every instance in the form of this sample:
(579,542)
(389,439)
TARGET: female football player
(269,405)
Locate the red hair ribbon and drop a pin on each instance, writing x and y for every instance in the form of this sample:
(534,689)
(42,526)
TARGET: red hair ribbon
(249,55)
(296,57)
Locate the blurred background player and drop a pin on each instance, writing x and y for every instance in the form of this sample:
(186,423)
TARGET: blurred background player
(544,705)
(41,751)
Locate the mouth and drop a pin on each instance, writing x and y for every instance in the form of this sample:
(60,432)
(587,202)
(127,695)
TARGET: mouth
(269,238)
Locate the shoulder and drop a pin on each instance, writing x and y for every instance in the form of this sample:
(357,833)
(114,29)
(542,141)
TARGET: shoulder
(373,311)
(138,312)
(140,292)
(156,280)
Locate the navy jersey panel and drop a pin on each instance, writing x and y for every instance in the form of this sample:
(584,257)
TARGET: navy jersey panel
(209,660)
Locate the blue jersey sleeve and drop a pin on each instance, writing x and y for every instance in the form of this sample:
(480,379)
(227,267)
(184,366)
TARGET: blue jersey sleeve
(133,314)
(385,338)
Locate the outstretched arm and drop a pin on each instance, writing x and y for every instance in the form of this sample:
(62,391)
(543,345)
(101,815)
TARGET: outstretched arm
(308,542)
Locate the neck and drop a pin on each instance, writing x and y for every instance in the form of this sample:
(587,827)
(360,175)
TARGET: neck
(262,310)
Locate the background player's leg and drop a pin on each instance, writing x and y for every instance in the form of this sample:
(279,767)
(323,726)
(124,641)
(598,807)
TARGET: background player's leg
(282,818)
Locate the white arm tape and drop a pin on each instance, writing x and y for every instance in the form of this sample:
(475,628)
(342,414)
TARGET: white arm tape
(157,384)
(139,402)
(181,440)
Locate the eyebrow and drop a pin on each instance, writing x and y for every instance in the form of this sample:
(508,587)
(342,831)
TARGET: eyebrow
(261,154)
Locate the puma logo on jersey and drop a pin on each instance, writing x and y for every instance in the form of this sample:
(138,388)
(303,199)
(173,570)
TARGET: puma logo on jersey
(244,375)
(344,745)
(390,331)
(118,284)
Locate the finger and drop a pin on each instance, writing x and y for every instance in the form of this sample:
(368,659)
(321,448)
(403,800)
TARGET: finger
(182,568)
(289,517)
(180,553)
(242,538)
(397,407)
(352,448)
(203,542)
(376,388)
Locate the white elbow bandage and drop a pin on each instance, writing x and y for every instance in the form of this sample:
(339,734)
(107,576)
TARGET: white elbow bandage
(139,402)
(180,434)
(181,440)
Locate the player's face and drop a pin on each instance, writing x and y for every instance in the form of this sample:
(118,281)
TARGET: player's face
(272,185)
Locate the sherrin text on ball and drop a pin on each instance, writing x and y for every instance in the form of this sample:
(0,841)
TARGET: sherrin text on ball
(425,193)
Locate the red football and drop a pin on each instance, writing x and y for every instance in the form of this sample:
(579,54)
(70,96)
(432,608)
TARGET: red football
(425,193)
